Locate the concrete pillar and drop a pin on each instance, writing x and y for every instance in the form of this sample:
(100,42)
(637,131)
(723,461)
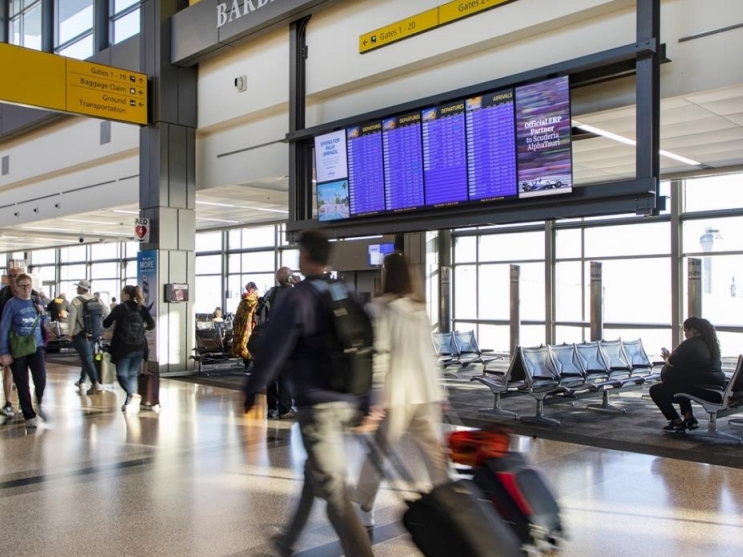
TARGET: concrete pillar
(167,185)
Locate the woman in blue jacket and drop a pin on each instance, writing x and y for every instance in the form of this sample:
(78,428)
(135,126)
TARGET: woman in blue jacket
(24,317)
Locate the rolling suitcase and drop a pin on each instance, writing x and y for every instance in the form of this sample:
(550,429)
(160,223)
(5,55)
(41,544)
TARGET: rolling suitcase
(523,500)
(454,519)
(149,390)
(105,369)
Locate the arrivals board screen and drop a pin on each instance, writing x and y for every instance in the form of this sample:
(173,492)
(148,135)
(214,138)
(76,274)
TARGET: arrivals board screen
(498,145)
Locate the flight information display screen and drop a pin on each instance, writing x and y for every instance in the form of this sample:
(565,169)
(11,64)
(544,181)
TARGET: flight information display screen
(366,169)
(491,147)
(403,162)
(504,144)
(444,155)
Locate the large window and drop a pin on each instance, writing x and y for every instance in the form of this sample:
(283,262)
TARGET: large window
(74,28)
(25,23)
(124,19)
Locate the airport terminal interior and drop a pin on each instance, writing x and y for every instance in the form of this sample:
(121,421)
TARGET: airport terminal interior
(614,211)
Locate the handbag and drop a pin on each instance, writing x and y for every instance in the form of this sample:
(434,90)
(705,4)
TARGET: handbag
(23,345)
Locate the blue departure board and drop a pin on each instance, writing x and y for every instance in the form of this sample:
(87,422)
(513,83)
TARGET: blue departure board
(491,146)
(444,155)
(403,162)
(365,169)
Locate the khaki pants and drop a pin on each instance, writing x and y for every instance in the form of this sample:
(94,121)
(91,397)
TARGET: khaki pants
(423,422)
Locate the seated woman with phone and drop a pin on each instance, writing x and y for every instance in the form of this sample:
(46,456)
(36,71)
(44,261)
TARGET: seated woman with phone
(693,364)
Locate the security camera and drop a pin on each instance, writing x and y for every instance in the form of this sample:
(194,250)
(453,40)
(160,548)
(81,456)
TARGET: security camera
(16,214)
(101,240)
(81,240)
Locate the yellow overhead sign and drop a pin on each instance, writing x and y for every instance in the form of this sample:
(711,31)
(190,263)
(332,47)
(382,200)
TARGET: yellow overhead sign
(54,82)
(424,21)
(463,8)
(399,30)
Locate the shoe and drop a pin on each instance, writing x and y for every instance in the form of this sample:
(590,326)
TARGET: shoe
(8,410)
(290,415)
(691,423)
(366,517)
(43,415)
(276,541)
(80,384)
(126,402)
(95,389)
(31,424)
(675,428)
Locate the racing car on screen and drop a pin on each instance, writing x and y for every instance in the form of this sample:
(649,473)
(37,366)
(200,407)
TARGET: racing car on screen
(540,184)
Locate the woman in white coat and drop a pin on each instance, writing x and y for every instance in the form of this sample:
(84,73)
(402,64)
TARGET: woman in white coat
(407,385)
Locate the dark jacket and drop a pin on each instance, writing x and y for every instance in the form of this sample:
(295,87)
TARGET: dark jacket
(295,335)
(116,317)
(692,362)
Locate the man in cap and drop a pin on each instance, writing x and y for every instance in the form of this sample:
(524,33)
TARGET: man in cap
(81,342)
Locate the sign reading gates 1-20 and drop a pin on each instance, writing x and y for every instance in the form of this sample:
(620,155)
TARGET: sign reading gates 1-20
(44,80)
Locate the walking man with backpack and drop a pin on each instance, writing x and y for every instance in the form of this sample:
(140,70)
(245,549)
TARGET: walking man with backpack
(302,332)
(278,393)
(86,329)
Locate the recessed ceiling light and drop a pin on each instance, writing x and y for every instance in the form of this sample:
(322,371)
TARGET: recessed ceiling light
(214,204)
(632,142)
(219,220)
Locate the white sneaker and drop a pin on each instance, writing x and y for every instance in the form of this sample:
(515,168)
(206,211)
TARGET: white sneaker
(31,424)
(366,517)
(8,410)
(43,415)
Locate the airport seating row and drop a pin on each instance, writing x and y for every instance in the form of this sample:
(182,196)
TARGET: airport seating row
(570,371)
(460,349)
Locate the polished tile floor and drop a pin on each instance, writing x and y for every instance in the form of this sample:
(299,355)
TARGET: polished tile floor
(200,479)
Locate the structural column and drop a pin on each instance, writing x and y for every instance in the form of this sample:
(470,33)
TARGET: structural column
(167,184)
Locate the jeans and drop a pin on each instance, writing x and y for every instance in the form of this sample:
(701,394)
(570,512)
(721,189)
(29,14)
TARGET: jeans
(323,428)
(20,367)
(84,347)
(127,371)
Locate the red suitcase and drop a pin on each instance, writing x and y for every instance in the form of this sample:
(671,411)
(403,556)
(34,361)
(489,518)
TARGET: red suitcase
(149,390)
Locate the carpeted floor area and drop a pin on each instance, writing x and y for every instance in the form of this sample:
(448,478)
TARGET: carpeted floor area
(638,430)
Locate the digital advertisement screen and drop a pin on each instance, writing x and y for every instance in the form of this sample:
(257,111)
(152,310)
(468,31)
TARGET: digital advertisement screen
(377,253)
(330,157)
(543,138)
(403,162)
(365,169)
(332,201)
(444,155)
(491,146)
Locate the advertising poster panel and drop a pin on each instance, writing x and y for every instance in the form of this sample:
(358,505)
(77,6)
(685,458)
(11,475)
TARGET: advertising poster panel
(147,281)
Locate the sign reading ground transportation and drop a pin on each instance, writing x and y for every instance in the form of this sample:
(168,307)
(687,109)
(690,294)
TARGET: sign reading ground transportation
(424,21)
(54,82)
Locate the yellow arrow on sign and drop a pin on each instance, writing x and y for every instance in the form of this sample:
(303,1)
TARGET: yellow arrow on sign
(44,80)
(399,30)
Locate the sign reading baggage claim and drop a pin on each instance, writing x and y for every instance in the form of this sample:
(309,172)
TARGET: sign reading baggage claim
(44,80)
(424,21)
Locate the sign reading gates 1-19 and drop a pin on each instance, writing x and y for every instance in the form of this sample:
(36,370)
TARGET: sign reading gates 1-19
(106,92)
(54,82)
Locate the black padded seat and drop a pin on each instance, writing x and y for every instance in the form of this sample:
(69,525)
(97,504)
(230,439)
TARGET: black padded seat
(717,400)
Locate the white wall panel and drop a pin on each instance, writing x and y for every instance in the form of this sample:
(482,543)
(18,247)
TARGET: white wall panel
(265,64)
(64,147)
(217,167)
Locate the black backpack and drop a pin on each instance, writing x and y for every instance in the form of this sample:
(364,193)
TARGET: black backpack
(260,320)
(131,329)
(92,317)
(348,349)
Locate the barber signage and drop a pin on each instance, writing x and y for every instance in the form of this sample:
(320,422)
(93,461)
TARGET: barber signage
(235,9)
